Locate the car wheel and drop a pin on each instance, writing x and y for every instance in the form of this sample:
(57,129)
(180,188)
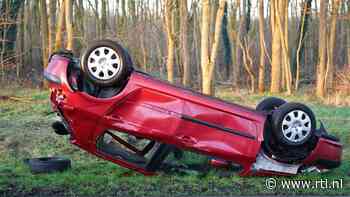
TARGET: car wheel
(106,63)
(293,124)
(269,104)
(48,164)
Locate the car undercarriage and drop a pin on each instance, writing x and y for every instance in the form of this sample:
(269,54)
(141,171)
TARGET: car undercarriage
(135,120)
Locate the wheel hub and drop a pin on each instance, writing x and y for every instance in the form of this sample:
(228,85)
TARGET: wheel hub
(296,126)
(104,63)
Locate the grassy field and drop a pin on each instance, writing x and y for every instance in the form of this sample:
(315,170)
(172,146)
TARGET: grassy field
(25,132)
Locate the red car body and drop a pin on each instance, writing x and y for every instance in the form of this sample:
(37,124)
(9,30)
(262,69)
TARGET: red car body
(152,109)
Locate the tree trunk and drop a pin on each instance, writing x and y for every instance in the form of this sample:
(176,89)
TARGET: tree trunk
(20,42)
(144,53)
(276,69)
(60,26)
(226,48)
(97,20)
(80,17)
(44,34)
(123,18)
(69,24)
(196,44)
(171,39)
(44,31)
(261,83)
(27,33)
(234,45)
(36,51)
(303,27)
(132,10)
(321,69)
(208,62)
(242,31)
(214,6)
(176,23)
(348,35)
(9,11)
(282,23)
(103,18)
(51,23)
(332,39)
(184,43)
(205,32)
(248,63)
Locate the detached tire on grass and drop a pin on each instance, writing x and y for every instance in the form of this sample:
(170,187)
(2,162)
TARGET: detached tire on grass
(48,164)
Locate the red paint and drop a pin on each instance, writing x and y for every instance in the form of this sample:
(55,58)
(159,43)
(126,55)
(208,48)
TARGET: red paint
(153,109)
(219,163)
(325,150)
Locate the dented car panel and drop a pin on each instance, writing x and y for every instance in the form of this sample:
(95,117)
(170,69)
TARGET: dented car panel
(153,109)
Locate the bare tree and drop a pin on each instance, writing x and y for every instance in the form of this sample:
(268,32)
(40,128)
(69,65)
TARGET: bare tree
(196,45)
(104,18)
(233,38)
(303,28)
(282,26)
(97,19)
(51,23)
(348,34)
(322,62)
(276,69)
(171,39)
(27,33)
(331,44)
(69,24)
(184,42)
(239,38)
(179,38)
(261,82)
(44,32)
(248,62)
(208,61)
(122,18)
(79,18)
(20,42)
(60,26)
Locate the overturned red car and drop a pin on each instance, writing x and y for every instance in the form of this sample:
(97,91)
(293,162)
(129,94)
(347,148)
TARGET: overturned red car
(135,120)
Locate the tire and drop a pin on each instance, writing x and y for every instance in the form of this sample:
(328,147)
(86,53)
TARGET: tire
(48,164)
(106,63)
(293,124)
(269,104)
(59,128)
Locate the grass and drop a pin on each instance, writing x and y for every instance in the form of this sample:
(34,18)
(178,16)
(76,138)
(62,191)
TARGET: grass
(25,132)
